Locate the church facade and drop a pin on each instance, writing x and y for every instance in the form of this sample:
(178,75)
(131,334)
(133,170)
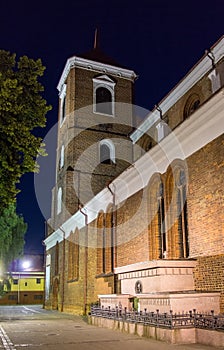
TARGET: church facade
(137,209)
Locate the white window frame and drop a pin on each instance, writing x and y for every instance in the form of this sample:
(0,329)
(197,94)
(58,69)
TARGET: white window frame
(62,96)
(111,147)
(59,200)
(62,156)
(107,83)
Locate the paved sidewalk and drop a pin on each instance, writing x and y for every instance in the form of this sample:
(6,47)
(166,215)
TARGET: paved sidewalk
(31,328)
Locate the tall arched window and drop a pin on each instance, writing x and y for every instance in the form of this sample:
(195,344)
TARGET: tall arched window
(56,261)
(156,212)
(101,244)
(176,219)
(62,112)
(109,240)
(59,200)
(161,221)
(62,157)
(63,108)
(182,215)
(103,101)
(107,152)
(73,256)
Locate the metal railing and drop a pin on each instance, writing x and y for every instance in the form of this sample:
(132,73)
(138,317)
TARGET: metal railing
(191,319)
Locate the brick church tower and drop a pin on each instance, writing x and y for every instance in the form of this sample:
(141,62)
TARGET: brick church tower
(94,123)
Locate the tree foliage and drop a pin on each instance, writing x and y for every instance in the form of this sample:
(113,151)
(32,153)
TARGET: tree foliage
(22,109)
(12,232)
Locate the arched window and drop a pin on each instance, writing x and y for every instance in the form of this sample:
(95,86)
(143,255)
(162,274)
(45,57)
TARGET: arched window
(176,219)
(101,244)
(103,101)
(105,243)
(109,241)
(104,95)
(62,157)
(59,201)
(182,215)
(193,102)
(62,113)
(156,215)
(63,109)
(161,221)
(107,152)
(73,256)
(56,262)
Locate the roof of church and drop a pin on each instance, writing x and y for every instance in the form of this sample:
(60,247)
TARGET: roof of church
(97,55)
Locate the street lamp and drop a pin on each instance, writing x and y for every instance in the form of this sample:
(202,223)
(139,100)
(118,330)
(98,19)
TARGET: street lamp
(26,264)
(18,289)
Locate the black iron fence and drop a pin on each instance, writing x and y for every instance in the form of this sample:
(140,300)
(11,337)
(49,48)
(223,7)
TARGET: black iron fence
(168,320)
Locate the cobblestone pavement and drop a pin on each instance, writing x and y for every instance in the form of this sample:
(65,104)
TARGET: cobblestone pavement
(32,327)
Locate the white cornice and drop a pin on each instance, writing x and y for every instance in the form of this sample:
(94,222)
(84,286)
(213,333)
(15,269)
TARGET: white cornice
(199,70)
(203,126)
(153,264)
(78,62)
(99,203)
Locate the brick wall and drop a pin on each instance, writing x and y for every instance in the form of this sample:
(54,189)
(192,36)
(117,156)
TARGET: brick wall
(206,200)
(132,230)
(209,275)
(81,133)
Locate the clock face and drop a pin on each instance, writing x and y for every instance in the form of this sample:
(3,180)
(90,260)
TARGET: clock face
(138,287)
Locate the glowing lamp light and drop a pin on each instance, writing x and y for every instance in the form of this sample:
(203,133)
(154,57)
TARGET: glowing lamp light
(26,264)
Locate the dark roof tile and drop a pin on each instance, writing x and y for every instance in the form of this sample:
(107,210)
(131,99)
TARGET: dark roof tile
(99,56)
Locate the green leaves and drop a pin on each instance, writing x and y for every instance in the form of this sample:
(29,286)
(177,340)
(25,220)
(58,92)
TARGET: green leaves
(12,231)
(22,109)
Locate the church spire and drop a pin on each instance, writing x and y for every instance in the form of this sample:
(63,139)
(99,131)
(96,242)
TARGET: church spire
(96,39)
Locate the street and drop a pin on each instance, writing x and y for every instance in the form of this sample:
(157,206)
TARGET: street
(31,327)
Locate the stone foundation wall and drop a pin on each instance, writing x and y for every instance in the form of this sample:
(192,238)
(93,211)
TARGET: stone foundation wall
(173,336)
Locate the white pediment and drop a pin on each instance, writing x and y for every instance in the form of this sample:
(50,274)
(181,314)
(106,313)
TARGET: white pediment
(104,78)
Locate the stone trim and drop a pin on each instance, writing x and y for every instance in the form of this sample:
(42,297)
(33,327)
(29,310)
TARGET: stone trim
(78,62)
(198,71)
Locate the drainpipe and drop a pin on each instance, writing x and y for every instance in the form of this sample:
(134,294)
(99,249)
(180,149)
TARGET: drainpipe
(63,271)
(113,245)
(45,256)
(44,267)
(85,259)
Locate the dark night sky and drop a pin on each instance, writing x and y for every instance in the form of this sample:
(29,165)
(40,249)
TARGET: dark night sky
(159,39)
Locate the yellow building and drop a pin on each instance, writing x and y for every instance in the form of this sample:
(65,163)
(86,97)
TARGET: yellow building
(24,284)
(27,287)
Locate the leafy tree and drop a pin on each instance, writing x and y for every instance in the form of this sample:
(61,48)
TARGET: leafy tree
(22,109)
(12,231)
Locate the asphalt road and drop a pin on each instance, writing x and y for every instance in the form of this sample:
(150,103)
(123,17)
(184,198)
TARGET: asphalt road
(32,327)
